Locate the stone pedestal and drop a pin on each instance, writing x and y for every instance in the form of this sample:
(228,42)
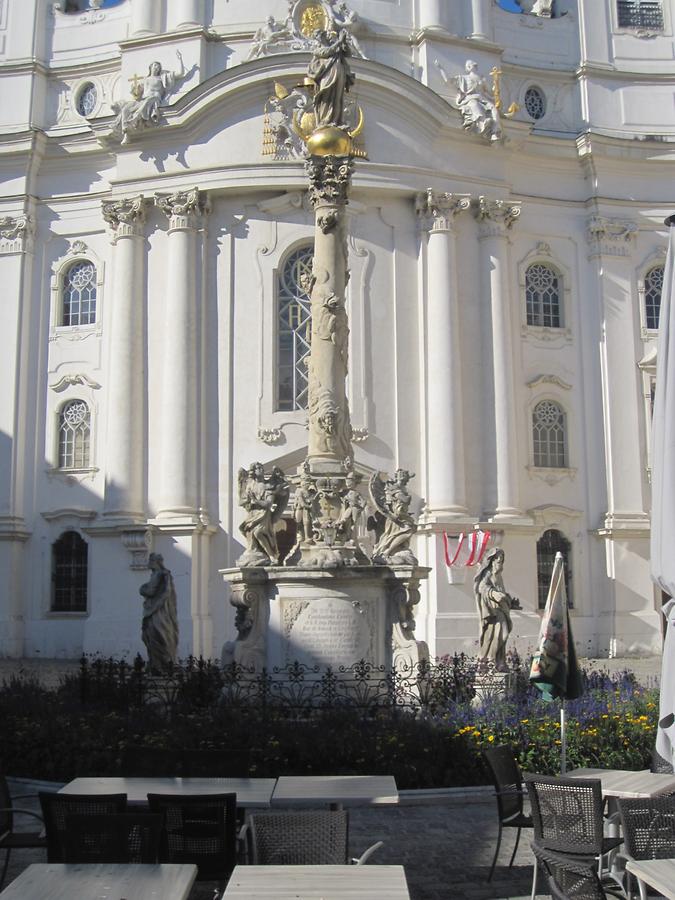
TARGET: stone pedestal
(325,618)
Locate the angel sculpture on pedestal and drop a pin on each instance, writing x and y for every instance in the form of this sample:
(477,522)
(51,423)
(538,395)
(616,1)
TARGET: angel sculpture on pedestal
(264,498)
(392,522)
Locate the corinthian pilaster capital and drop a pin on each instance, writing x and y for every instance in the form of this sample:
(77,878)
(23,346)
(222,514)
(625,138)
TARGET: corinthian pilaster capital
(436,210)
(16,234)
(609,237)
(329,179)
(495,217)
(185,209)
(125,217)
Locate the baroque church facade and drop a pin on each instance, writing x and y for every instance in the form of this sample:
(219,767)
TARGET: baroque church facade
(506,256)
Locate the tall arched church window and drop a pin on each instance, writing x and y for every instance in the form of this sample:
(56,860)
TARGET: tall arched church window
(549,436)
(543,293)
(294,329)
(640,14)
(653,288)
(79,294)
(550,543)
(69,573)
(74,434)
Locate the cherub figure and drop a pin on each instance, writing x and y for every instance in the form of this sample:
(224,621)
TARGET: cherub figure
(392,523)
(264,500)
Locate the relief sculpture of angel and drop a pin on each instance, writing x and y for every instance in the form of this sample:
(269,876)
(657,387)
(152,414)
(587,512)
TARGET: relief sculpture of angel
(393,523)
(264,498)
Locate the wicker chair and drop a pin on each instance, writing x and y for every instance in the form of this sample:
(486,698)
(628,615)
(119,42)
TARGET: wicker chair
(56,808)
(570,878)
(567,814)
(659,764)
(150,762)
(648,831)
(199,829)
(216,763)
(9,838)
(508,782)
(121,838)
(312,837)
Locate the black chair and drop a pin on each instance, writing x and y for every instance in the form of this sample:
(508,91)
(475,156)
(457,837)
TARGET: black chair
(231,763)
(199,829)
(659,764)
(312,837)
(9,838)
(567,814)
(120,838)
(508,782)
(150,762)
(648,830)
(56,808)
(570,878)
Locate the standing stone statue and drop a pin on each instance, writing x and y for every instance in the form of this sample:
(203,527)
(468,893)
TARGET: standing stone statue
(393,522)
(264,498)
(329,67)
(160,620)
(494,609)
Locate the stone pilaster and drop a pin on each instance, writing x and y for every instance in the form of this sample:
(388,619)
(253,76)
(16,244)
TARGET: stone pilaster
(495,219)
(177,420)
(126,437)
(145,17)
(445,439)
(431,14)
(185,14)
(479,20)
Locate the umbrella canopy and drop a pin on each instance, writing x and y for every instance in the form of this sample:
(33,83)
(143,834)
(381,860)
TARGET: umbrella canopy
(555,670)
(663,495)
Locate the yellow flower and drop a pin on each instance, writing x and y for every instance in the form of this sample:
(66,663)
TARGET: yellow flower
(524,721)
(491,738)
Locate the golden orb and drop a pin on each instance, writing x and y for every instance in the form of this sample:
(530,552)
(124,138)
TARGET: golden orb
(329,141)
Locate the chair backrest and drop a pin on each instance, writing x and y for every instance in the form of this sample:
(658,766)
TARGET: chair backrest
(148,762)
(569,878)
(216,763)
(567,813)
(199,829)
(648,827)
(659,764)
(507,778)
(312,837)
(57,807)
(121,838)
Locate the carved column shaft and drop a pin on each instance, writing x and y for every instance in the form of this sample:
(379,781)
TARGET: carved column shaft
(185,13)
(329,422)
(479,20)
(431,14)
(445,447)
(145,16)
(126,397)
(495,218)
(177,424)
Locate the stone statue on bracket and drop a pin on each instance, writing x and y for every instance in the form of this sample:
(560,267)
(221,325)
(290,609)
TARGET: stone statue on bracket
(476,103)
(541,8)
(160,619)
(494,609)
(264,497)
(393,523)
(146,98)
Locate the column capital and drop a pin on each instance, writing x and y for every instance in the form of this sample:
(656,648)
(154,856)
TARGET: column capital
(185,209)
(16,234)
(329,179)
(436,210)
(495,217)
(609,237)
(125,217)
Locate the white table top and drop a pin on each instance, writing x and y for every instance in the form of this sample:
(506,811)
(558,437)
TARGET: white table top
(658,873)
(252,793)
(347,790)
(317,883)
(623,783)
(54,881)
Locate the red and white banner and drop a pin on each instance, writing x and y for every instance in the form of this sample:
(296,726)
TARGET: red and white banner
(465,549)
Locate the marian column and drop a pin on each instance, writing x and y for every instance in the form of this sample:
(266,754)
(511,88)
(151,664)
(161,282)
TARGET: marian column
(445,478)
(126,434)
(495,218)
(177,422)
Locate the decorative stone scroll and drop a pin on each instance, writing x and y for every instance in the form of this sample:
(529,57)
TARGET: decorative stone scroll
(496,216)
(16,234)
(125,217)
(436,210)
(609,237)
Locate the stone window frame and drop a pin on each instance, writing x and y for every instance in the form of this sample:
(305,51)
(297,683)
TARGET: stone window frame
(641,31)
(550,388)
(60,267)
(288,252)
(77,89)
(655,259)
(50,611)
(542,254)
(85,394)
(560,446)
(533,85)
(60,428)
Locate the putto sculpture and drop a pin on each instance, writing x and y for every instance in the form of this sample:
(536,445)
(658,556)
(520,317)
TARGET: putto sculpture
(160,620)
(264,498)
(393,523)
(303,22)
(147,96)
(494,610)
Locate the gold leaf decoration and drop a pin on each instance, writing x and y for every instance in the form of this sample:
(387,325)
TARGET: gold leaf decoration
(313,19)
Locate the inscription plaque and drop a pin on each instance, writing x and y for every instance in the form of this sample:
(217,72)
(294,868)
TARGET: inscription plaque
(328,631)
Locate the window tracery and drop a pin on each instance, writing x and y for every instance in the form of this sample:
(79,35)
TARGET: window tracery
(549,435)
(294,328)
(74,435)
(79,294)
(543,296)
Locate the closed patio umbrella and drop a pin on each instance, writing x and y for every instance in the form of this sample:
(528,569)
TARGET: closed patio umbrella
(663,496)
(555,670)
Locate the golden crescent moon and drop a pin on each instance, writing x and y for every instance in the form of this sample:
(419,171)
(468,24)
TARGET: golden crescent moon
(359,125)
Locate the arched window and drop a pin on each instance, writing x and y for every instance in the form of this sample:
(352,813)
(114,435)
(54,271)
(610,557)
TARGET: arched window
(69,573)
(543,292)
(294,330)
(548,435)
(74,432)
(550,543)
(653,288)
(79,294)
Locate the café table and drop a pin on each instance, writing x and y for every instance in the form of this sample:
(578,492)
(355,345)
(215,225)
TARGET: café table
(56,881)
(305,882)
(619,783)
(335,790)
(252,793)
(657,873)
